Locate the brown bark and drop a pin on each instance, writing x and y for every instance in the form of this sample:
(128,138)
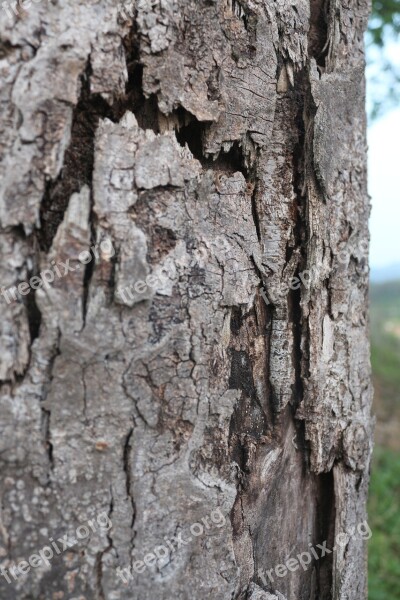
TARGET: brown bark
(218,146)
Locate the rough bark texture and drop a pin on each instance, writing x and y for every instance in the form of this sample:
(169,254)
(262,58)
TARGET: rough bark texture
(192,122)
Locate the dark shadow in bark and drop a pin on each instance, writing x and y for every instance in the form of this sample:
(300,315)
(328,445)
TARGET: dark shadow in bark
(78,162)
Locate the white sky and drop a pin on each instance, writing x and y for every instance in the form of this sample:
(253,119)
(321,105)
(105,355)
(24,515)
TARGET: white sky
(384,188)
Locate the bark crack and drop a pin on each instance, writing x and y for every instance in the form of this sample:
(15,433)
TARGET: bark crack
(318,33)
(78,163)
(127,467)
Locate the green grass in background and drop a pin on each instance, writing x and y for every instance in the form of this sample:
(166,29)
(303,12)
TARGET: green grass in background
(384,521)
(384,501)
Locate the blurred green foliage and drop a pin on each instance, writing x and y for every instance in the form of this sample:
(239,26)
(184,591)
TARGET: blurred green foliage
(385,347)
(385,19)
(383,72)
(384,497)
(384,521)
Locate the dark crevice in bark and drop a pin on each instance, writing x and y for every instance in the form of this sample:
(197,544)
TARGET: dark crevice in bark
(300,234)
(76,172)
(112,281)
(34,318)
(325,531)
(299,171)
(89,270)
(145,109)
(6,47)
(245,449)
(269,310)
(296,319)
(127,466)
(249,421)
(78,161)
(17,231)
(255,209)
(191,132)
(232,161)
(45,409)
(99,575)
(188,130)
(303,171)
(318,32)
(46,435)
(54,353)
(236,320)
(34,315)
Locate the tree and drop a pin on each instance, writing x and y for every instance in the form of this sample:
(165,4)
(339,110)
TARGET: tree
(185,327)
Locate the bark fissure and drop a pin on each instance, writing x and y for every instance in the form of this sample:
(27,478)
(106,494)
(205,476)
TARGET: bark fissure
(128,474)
(78,161)
(318,34)
(46,414)
(33,313)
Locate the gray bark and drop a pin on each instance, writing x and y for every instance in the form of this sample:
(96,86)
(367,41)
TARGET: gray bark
(219,144)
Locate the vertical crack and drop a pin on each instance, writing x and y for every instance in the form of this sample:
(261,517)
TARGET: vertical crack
(128,470)
(304,171)
(46,414)
(318,32)
(78,164)
(127,466)
(252,187)
(45,409)
(32,309)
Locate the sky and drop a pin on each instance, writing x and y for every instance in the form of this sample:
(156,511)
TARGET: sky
(384,160)
(384,189)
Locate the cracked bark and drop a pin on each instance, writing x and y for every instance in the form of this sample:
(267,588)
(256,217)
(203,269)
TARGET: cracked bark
(223,143)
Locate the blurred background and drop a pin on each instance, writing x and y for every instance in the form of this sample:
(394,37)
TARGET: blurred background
(383,106)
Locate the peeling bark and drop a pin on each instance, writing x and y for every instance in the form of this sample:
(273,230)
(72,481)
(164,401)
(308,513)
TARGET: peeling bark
(218,147)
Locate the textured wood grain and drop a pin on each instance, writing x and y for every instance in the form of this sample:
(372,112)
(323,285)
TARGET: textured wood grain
(218,147)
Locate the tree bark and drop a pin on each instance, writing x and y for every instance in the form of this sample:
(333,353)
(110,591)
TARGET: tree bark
(218,146)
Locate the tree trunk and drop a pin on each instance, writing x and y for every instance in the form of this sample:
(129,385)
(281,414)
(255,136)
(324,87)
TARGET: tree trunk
(191,176)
